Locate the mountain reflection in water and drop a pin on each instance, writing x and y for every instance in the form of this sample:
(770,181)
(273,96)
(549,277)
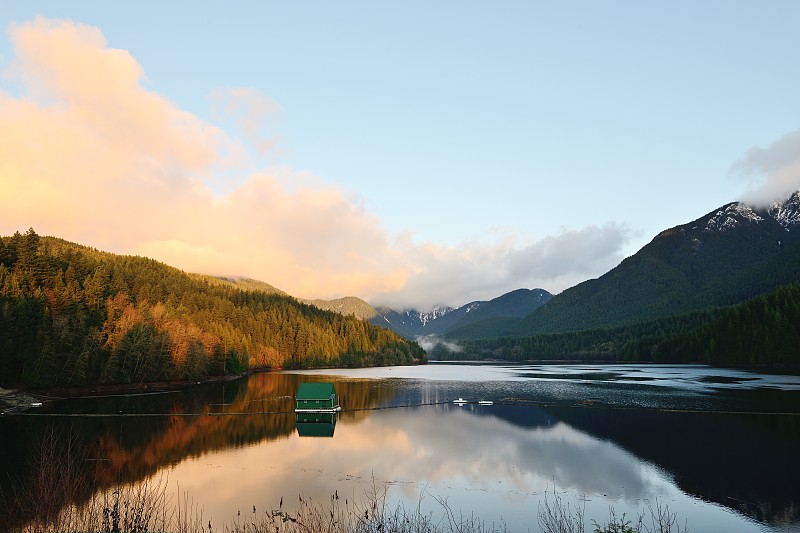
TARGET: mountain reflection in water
(494,461)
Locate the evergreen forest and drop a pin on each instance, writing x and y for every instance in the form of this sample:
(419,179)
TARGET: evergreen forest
(72,315)
(764,330)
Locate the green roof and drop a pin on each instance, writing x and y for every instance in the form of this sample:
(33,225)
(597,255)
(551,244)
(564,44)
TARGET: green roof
(315,391)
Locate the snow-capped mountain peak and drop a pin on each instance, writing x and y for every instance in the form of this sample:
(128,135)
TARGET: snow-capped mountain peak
(786,213)
(731,216)
(433,314)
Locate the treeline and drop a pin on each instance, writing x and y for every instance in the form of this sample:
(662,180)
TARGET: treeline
(71,315)
(761,331)
(680,271)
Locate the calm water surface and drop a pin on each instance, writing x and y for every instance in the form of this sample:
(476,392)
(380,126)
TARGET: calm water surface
(720,447)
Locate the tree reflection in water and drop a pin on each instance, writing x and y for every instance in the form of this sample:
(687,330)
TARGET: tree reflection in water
(235,445)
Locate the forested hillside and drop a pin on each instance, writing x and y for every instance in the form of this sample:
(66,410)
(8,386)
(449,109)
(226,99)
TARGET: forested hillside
(245,284)
(515,304)
(761,331)
(731,254)
(72,315)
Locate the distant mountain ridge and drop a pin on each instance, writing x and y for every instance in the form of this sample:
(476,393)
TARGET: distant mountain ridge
(515,304)
(349,305)
(246,284)
(409,323)
(441,320)
(412,323)
(730,254)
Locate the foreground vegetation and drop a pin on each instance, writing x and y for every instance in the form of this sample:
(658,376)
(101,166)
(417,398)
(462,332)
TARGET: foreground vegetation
(147,508)
(761,331)
(54,504)
(66,491)
(71,315)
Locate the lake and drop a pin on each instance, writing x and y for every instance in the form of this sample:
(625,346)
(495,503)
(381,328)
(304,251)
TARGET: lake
(719,446)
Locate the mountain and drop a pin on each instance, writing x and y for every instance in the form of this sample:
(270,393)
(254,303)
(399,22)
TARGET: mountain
(412,323)
(515,304)
(443,320)
(72,315)
(349,305)
(761,331)
(731,254)
(246,284)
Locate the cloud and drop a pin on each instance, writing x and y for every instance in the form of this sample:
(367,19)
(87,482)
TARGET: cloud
(89,153)
(252,111)
(573,253)
(508,466)
(429,342)
(480,271)
(775,170)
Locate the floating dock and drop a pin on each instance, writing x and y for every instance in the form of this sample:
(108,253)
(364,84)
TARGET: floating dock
(316,398)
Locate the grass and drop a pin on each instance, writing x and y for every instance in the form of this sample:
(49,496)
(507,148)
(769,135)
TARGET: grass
(147,508)
(556,516)
(62,500)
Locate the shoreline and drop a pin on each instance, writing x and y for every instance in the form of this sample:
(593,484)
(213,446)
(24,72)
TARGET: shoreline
(20,399)
(15,401)
(778,368)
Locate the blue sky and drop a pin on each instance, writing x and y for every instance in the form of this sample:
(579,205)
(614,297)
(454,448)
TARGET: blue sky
(525,137)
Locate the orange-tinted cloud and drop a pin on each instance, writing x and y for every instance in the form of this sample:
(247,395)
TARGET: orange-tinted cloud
(88,153)
(252,110)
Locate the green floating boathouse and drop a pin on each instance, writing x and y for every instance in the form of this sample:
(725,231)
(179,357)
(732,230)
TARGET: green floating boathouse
(316,398)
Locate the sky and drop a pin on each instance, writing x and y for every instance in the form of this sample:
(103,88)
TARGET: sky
(410,153)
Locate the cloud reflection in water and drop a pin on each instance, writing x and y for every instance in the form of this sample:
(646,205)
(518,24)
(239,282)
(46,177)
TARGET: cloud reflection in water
(480,464)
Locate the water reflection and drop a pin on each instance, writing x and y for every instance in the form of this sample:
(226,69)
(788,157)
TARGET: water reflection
(240,444)
(480,464)
(131,438)
(744,461)
(315,424)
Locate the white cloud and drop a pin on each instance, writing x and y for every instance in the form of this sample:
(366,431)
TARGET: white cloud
(774,171)
(429,342)
(88,154)
(481,271)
